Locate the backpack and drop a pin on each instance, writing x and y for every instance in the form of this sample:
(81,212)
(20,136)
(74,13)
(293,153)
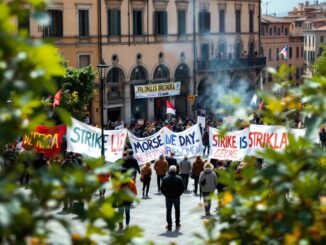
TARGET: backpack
(203,181)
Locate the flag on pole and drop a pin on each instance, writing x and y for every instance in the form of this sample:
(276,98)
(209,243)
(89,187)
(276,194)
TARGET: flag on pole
(57,97)
(254,100)
(285,52)
(169,108)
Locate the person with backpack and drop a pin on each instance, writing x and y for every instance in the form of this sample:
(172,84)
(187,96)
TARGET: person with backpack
(161,166)
(208,182)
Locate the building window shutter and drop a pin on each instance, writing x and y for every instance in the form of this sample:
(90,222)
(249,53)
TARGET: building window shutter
(83,23)
(181,22)
(165,23)
(200,20)
(238,21)
(208,22)
(60,24)
(155,22)
(251,22)
(222,19)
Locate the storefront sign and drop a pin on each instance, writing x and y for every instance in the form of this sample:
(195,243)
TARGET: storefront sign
(157,90)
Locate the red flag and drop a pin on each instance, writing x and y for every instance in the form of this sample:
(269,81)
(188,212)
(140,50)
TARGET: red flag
(169,108)
(57,97)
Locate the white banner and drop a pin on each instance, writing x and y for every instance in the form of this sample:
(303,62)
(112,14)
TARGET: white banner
(188,142)
(157,90)
(231,147)
(236,145)
(149,148)
(87,140)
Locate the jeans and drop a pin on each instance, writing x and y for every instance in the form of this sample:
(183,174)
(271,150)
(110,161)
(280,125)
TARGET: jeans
(207,201)
(196,179)
(206,147)
(125,208)
(169,203)
(185,178)
(146,183)
(159,179)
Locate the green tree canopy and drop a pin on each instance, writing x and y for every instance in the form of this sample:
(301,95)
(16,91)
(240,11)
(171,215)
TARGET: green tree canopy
(320,65)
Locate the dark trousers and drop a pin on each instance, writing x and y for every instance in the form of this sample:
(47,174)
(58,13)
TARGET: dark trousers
(159,179)
(206,147)
(196,179)
(146,184)
(207,201)
(169,203)
(125,209)
(185,178)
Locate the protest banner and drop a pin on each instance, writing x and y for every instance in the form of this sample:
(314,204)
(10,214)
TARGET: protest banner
(235,145)
(157,90)
(188,142)
(231,147)
(149,148)
(87,140)
(47,139)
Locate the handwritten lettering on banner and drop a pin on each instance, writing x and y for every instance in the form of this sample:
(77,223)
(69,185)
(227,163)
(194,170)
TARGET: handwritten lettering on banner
(233,146)
(47,139)
(87,140)
(248,142)
(188,142)
(149,148)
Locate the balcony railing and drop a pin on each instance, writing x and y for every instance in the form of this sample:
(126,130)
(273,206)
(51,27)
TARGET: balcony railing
(230,64)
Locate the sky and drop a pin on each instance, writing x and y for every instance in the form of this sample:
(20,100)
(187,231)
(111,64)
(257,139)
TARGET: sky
(281,7)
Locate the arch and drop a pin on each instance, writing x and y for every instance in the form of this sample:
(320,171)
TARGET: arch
(161,72)
(139,73)
(182,72)
(115,75)
(115,84)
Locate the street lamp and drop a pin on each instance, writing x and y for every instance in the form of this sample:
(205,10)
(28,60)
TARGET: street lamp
(102,68)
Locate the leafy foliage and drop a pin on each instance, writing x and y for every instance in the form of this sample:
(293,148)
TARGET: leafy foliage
(78,90)
(320,64)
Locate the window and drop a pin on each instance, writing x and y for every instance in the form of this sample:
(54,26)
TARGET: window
(262,31)
(275,30)
(270,31)
(290,53)
(222,20)
(23,21)
(161,72)
(286,31)
(270,54)
(277,54)
(84,60)
(181,22)
(238,22)
(297,52)
(302,52)
(251,21)
(83,18)
(137,22)
(204,22)
(279,31)
(160,23)
(114,22)
(55,28)
(321,39)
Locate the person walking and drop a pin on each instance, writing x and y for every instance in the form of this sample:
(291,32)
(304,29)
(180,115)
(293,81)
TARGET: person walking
(185,169)
(125,206)
(172,188)
(161,166)
(132,163)
(146,173)
(197,168)
(208,182)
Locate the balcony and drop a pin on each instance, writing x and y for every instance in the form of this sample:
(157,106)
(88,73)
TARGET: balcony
(230,64)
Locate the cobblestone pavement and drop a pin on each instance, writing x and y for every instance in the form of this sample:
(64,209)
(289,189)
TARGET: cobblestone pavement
(149,214)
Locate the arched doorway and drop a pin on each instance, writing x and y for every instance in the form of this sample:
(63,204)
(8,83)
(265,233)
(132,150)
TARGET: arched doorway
(114,94)
(139,75)
(161,74)
(182,74)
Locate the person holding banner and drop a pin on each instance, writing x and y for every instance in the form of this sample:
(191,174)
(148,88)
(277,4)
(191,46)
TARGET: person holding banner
(197,168)
(161,167)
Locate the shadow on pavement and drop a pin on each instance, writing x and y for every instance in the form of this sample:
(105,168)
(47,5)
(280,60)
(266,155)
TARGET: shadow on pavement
(171,234)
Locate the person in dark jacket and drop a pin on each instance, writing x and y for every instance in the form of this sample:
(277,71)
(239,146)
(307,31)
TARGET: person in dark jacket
(172,188)
(132,163)
(208,182)
(173,162)
(206,142)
